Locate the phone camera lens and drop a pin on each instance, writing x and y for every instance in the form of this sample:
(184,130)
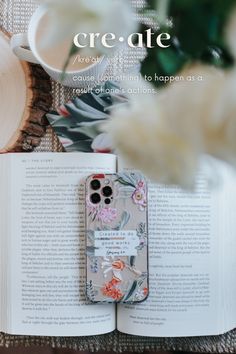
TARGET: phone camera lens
(107,201)
(95,184)
(107,191)
(95,198)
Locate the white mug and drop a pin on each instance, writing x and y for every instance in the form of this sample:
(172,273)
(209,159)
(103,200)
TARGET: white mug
(20,41)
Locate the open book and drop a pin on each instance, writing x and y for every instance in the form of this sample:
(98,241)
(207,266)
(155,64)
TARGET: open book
(192,263)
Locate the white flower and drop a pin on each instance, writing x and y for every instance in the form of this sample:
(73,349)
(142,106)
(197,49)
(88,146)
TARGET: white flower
(222,142)
(166,134)
(139,295)
(159,152)
(114,266)
(207,111)
(69,17)
(146,140)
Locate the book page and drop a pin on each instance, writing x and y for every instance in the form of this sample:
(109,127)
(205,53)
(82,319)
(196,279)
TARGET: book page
(185,265)
(228,247)
(48,276)
(4,233)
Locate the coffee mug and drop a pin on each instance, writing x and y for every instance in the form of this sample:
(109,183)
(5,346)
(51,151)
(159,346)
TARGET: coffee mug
(77,79)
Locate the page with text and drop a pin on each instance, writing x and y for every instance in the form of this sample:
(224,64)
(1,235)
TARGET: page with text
(228,247)
(184,265)
(4,235)
(48,245)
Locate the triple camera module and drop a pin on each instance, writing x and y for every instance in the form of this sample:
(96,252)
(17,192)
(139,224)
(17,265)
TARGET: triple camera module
(106,192)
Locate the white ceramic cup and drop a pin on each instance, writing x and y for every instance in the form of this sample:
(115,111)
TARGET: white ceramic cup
(20,42)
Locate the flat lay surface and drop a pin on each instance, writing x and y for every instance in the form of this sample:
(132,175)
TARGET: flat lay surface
(14,18)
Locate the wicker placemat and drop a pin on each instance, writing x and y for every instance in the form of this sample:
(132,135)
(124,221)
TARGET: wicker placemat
(14,17)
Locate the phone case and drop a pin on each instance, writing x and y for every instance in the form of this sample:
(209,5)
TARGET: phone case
(117,238)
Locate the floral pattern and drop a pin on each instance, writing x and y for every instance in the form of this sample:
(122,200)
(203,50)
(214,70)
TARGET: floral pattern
(116,277)
(112,291)
(139,196)
(141,293)
(136,183)
(105,215)
(115,266)
(94,265)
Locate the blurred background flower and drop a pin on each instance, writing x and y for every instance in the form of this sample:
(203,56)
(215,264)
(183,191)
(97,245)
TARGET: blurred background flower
(163,134)
(146,140)
(166,134)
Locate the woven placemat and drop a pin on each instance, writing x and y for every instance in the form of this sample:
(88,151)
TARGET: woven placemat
(14,17)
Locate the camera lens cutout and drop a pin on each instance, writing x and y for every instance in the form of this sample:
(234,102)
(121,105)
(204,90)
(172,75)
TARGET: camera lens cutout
(107,191)
(95,184)
(107,201)
(95,198)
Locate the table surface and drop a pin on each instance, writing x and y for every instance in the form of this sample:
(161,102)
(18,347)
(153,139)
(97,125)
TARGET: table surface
(14,17)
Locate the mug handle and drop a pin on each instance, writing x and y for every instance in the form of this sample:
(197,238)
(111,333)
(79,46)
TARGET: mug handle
(18,44)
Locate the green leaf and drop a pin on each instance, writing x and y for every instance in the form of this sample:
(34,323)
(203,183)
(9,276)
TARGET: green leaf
(100,100)
(77,135)
(84,116)
(90,250)
(128,179)
(52,117)
(169,61)
(79,103)
(164,62)
(61,131)
(90,236)
(91,100)
(82,146)
(125,217)
(132,290)
(141,279)
(199,29)
(200,23)
(125,183)
(67,122)
(89,132)
(70,133)
(152,4)
(90,292)
(115,100)
(132,261)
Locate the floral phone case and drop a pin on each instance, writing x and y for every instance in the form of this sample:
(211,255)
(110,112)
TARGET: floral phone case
(116,238)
